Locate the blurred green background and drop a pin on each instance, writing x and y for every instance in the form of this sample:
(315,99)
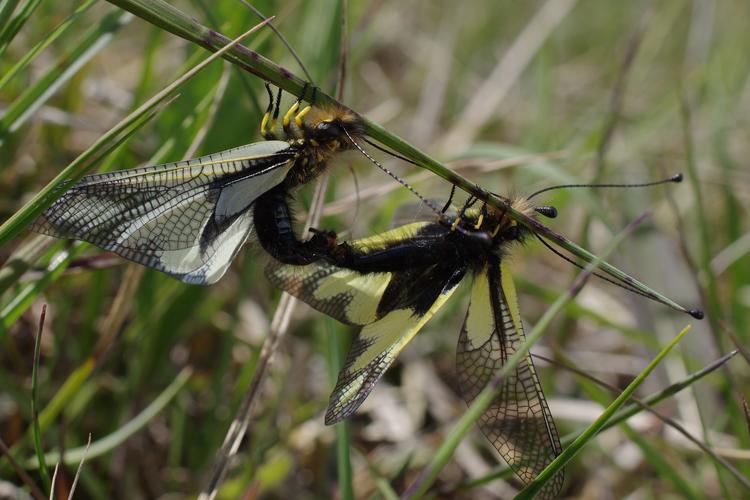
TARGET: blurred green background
(515,96)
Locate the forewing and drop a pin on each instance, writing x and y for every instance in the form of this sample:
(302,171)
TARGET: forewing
(518,423)
(187,219)
(378,344)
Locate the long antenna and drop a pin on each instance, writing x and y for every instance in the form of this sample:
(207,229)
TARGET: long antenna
(394,176)
(696,313)
(674,178)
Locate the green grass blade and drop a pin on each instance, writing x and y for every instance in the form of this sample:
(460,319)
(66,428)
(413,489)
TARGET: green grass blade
(21,300)
(43,44)
(6,10)
(343,429)
(70,388)
(568,453)
(21,260)
(650,454)
(11,28)
(663,468)
(632,409)
(112,441)
(44,198)
(44,472)
(45,87)
(624,413)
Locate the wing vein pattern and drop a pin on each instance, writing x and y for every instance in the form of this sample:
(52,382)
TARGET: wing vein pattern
(518,423)
(187,219)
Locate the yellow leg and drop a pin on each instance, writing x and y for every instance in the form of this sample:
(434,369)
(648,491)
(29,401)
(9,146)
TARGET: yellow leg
(264,132)
(288,116)
(480,219)
(301,114)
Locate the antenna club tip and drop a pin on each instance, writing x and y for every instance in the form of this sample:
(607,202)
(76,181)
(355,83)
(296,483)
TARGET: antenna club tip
(677,177)
(696,313)
(547,210)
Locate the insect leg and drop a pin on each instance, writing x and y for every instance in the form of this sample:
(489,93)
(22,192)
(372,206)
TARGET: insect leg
(286,121)
(265,132)
(276,106)
(450,199)
(469,202)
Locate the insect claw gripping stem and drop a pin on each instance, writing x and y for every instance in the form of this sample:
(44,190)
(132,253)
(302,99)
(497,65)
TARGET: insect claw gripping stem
(480,219)
(467,205)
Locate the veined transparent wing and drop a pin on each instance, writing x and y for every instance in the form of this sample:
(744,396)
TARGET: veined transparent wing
(518,423)
(187,218)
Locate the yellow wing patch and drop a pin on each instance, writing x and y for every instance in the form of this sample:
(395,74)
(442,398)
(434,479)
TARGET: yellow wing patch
(509,291)
(518,422)
(348,296)
(479,324)
(363,291)
(345,295)
(382,240)
(372,352)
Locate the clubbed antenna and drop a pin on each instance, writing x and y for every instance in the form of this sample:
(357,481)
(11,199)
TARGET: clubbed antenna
(674,178)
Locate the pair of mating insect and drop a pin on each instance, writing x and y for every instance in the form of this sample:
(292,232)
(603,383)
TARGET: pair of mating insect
(189,219)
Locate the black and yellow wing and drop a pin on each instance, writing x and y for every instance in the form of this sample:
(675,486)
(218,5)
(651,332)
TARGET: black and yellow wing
(390,306)
(187,219)
(378,344)
(349,296)
(518,423)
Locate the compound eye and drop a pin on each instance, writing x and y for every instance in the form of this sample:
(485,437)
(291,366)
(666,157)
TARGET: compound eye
(327,131)
(323,126)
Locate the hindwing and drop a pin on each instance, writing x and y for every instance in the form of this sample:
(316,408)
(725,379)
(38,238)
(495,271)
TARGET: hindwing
(518,423)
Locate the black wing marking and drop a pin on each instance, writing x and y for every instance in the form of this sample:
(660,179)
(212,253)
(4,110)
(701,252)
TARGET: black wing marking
(347,295)
(392,306)
(378,344)
(518,423)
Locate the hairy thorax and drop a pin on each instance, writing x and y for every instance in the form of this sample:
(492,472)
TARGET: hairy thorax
(312,160)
